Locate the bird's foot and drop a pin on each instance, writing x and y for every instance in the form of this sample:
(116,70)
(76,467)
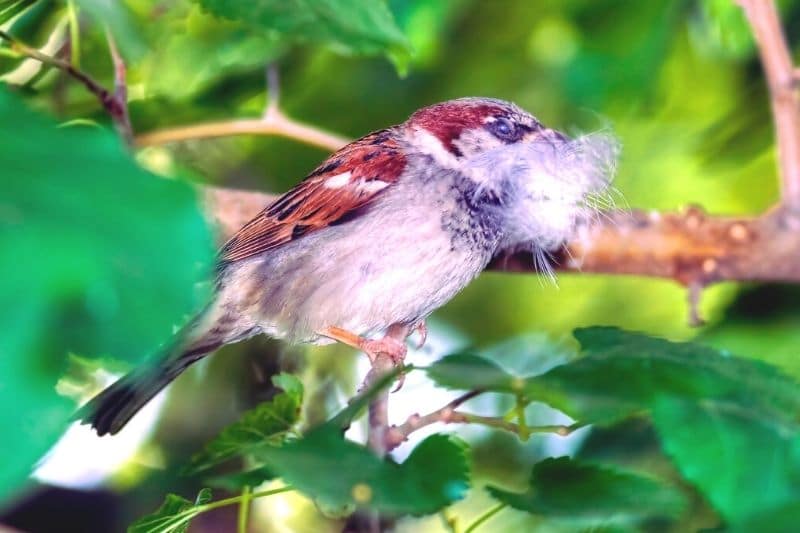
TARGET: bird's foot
(392,346)
(422,329)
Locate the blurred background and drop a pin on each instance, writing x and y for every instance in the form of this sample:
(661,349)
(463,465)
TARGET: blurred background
(678,81)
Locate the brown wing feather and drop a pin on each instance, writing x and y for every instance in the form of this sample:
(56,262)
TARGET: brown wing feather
(311,205)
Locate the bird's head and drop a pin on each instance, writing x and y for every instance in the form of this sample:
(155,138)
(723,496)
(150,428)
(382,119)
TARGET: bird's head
(540,182)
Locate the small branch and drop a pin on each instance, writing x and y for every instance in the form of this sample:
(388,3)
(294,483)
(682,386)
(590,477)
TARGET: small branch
(280,125)
(780,73)
(449,414)
(114,103)
(396,435)
(244,510)
(485,516)
(379,406)
(273,92)
(120,112)
(273,122)
(102,94)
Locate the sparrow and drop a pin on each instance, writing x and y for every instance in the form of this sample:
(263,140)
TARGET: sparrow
(381,234)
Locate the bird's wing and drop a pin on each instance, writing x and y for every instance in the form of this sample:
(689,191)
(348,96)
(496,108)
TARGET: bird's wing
(334,193)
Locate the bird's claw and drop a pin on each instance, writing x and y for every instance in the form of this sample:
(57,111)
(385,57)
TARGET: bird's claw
(422,328)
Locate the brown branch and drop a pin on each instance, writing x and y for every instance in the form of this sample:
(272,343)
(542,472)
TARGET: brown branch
(689,247)
(396,435)
(120,113)
(275,124)
(449,414)
(113,102)
(780,73)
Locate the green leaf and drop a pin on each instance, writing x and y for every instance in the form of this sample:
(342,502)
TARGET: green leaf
(235,481)
(466,371)
(103,259)
(744,460)
(12,8)
(777,520)
(567,488)
(173,516)
(120,21)
(266,425)
(623,373)
(364,27)
(340,473)
(191,49)
(722,27)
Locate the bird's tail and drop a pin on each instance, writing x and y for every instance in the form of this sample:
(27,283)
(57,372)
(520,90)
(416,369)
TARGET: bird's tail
(110,410)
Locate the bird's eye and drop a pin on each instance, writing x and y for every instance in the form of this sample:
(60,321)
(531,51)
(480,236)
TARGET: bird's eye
(504,129)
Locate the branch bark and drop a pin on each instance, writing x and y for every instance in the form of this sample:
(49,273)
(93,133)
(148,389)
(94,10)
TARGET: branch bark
(776,60)
(275,124)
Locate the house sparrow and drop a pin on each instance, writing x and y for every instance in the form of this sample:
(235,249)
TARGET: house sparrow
(381,234)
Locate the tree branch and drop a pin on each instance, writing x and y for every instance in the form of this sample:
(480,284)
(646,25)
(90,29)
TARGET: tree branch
(273,122)
(120,114)
(115,103)
(780,73)
(689,247)
(276,123)
(449,414)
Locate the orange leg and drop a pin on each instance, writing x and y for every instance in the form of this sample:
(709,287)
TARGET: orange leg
(392,344)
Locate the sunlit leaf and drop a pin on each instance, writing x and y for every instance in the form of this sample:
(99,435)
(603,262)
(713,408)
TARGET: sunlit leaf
(191,50)
(340,473)
(597,495)
(466,371)
(12,8)
(172,517)
(266,425)
(740,456)
(623,373)
(353,26)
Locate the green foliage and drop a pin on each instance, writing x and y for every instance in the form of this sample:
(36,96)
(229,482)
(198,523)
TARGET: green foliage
(173,516)
(340,473)
(592,495)
(269,424)
(192,50)
(622,374)
(120,22)
(353,26)
(467,371)
(723,26)
(102,259)
(742,457)
(12,8)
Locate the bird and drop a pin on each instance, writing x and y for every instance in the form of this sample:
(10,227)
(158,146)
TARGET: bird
(381,234)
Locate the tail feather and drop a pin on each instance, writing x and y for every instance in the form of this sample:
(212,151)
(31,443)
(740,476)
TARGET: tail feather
(109,411)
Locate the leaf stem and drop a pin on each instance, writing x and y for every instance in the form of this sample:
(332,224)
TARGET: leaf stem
(74,34)
(185,516)
(484,517)
(244,510)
